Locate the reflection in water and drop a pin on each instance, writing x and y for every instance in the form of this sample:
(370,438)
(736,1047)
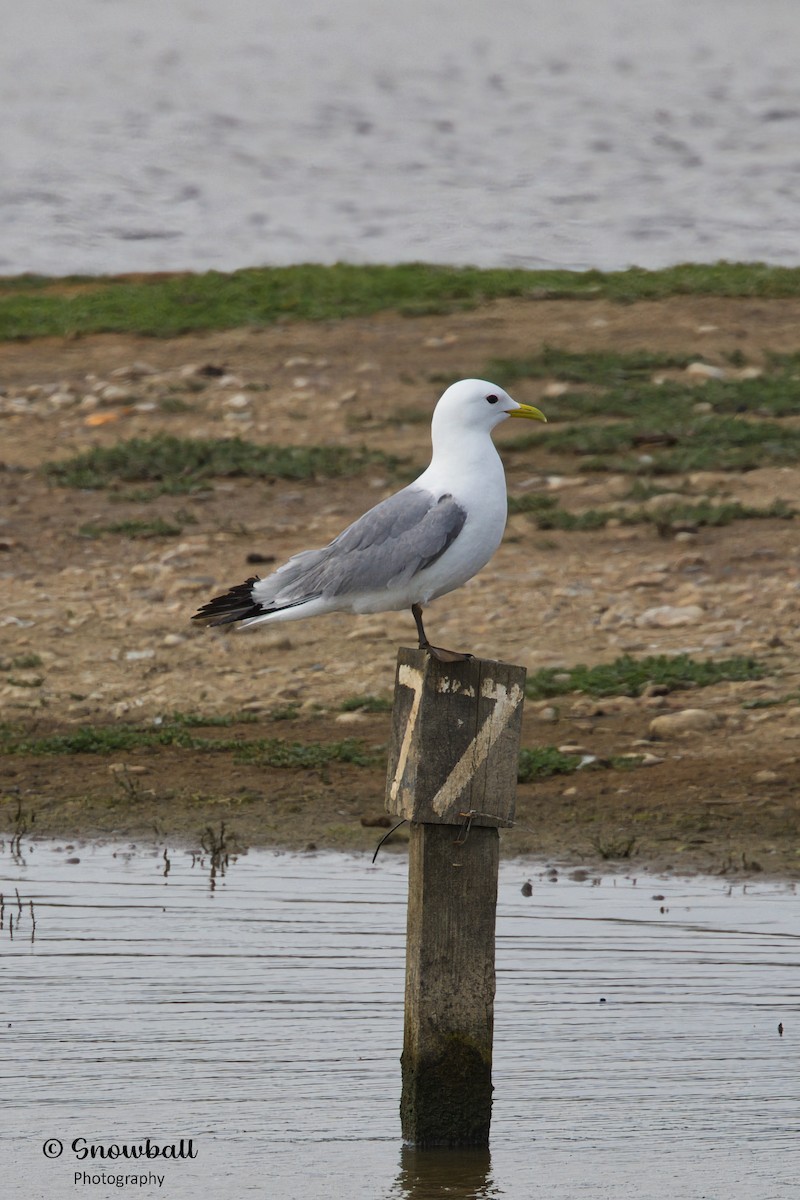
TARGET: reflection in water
(449,1174)
(264,1019)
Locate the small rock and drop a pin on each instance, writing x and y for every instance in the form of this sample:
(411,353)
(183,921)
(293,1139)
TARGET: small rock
(367,633)
(136,655)
(238,400)
(351,718)
(767,776)
(703,370)
(173,639)
(655,689)
(136,370)
(548,714)
(275,641)
(690,562)
(688,720)
(113,394)
(663,500)
(652,579)
(643,760)
(572,748)
(668,616)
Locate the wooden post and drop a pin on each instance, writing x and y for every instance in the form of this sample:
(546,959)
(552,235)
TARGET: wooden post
(453,774)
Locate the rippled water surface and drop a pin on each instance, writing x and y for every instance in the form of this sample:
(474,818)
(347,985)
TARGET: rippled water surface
(570,133)
(637,1051)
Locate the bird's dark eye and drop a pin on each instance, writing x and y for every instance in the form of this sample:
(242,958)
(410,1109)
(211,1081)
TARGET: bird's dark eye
(492,399)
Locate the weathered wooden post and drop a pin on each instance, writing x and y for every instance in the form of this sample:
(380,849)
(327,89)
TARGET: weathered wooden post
(453,774)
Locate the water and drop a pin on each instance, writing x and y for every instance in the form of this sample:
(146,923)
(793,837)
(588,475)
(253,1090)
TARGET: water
(636,1051)
(570,133)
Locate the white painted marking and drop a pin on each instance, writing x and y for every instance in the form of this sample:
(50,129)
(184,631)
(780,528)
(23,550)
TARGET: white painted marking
(410,677)
(506,704)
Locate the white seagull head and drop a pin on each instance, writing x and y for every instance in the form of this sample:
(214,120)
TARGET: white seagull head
(477,404)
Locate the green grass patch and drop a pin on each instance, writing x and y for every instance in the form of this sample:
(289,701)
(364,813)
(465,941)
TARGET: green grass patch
(628,676)
(546,761)
(20,662)
(209,721)
(34,306)
(157,527)
(373,704)
(672,443)
(549,514)
(178,465)
(543,762)
(612,385)
(270,752)
(604,368)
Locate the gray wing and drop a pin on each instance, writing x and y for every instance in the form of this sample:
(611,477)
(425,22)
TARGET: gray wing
(386,547)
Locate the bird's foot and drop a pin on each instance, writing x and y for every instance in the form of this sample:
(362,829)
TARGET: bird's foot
(446,656)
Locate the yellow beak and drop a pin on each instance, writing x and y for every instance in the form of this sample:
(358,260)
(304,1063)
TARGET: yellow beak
(527,410)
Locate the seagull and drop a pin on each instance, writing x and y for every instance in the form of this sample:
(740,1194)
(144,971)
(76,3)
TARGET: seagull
(419,544)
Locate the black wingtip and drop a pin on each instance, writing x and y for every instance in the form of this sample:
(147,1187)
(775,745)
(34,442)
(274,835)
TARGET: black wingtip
(234,605)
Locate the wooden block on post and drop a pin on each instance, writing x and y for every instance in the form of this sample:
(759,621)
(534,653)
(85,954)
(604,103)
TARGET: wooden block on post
(453,774)
(455,740)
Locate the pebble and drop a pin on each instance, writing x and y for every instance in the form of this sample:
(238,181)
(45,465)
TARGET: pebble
(351,718)
(367,633)
(703,370)
(137,655)
(688,720)
(557,483)
(136,370)
(113,394)
(767,776)
(690,562)
(173,639)
(663,500)
(652,579)
(668,616)
(548,714)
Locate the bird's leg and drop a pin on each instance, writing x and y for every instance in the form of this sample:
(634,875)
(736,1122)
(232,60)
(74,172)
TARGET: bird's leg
(434,651)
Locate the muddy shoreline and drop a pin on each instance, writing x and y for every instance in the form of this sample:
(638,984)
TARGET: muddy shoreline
(96,624)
